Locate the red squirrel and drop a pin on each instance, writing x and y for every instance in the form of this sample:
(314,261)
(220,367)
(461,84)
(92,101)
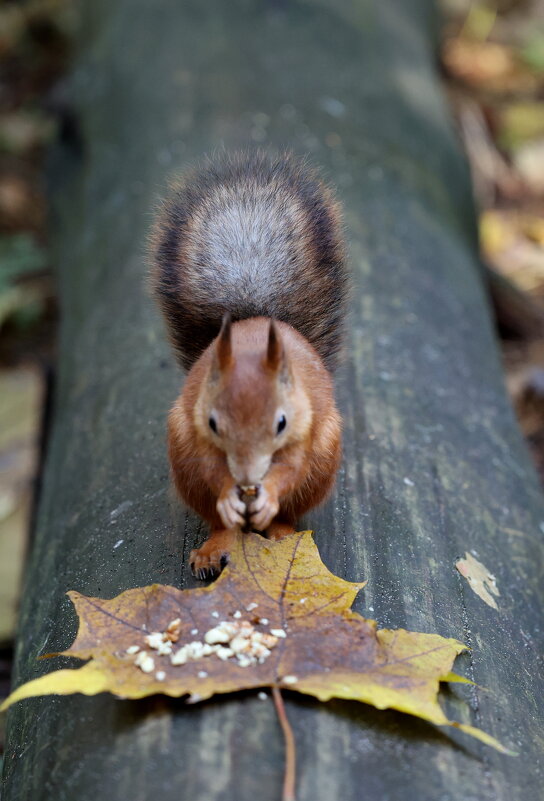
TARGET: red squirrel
(249,270)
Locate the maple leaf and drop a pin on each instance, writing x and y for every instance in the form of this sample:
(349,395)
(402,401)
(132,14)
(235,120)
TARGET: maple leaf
(279,591)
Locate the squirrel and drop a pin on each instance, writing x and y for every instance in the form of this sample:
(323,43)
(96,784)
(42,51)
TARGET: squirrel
(249,269)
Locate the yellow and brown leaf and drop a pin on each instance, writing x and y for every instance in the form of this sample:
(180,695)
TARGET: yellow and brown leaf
(324,649)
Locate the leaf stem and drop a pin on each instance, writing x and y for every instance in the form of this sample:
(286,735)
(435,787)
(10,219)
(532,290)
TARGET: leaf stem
(290,752)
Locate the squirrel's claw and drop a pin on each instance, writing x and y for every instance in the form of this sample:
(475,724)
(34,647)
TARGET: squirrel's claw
(208,561)
(204,573)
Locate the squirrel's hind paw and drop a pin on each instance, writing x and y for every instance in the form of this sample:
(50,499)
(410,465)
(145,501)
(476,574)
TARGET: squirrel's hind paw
(277,531)
(208,561)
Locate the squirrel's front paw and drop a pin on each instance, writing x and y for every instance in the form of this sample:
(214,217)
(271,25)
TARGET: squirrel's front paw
(263,509)
(231,509)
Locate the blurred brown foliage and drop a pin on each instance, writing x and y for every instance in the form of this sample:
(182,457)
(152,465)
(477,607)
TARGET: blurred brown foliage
(34,53)
(493,59)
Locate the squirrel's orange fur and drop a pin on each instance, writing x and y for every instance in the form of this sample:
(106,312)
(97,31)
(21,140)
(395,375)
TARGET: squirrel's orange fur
(257,407)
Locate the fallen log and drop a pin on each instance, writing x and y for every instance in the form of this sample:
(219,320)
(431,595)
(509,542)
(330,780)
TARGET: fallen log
(434,463)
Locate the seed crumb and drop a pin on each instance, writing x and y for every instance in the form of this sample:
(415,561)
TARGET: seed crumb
(250,607)
(237,614)
(133,649)
(195,649)
(228,638)
(262,696)
(180,657)
(160,675)
(264,621)
(145,662)
(240,644)
(290,679)
(173,630)
(215,614)
(278,633)
(154,639)
(202,674)
(217,635)
(194,631)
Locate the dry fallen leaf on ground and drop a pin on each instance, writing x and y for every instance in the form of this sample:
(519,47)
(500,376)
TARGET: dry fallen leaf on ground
(480,579)
(276,617)
(487,65)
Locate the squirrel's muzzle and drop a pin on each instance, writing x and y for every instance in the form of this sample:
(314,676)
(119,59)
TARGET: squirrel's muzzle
(251,472)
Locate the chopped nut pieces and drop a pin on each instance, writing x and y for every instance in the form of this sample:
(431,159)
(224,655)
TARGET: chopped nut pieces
(222,633)
(250,490)
(173,630)
(145,662)
(224,653)
(159,642)
(239,644)
(236,639)
(180,657)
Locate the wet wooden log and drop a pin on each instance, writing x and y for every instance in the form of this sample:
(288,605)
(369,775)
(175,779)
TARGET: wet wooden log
(434,464)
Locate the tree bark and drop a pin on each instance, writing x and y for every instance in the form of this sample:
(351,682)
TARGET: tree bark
(434,464)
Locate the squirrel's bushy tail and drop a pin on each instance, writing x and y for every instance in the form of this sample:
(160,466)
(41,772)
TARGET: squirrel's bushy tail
(253,235)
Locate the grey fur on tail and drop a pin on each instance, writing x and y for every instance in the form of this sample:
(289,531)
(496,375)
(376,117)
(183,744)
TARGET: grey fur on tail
(255,235)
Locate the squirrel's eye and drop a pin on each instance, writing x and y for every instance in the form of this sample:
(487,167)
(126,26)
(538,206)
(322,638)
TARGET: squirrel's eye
(212,424)
(282,422)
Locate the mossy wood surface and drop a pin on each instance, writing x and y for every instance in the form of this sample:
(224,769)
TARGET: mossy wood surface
(434,464)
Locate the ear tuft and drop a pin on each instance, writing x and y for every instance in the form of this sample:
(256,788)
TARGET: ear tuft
(274,351)
(223,348)
(276,359)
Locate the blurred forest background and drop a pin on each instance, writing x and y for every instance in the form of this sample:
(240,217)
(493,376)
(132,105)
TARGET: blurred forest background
(492,61)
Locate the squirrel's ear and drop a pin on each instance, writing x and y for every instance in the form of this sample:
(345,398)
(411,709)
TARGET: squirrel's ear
(223,348)
(276,359)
